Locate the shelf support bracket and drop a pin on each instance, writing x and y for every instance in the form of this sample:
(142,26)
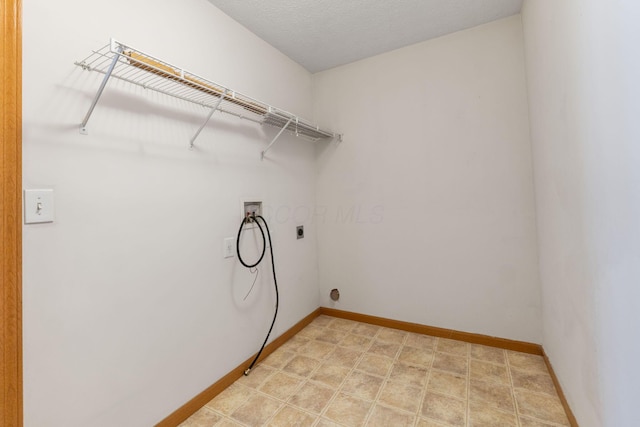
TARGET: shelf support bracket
(83,125)
(275,139)
(213,110)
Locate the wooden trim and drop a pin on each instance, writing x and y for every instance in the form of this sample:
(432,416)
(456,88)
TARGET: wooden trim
(11,212)
(563,399)
(189,408)
(521,346)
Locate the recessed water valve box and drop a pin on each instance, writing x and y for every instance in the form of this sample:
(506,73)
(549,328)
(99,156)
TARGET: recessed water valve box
(251,209)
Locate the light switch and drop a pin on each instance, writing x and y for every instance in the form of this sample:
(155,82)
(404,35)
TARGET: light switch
(38,206)
(229,247)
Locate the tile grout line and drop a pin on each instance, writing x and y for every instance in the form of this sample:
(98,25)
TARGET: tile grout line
(228,416)
(395,358)
(282,402)
(318,417)
(468,382)
(550,423)
(423,394)
(335,389)
(513,389)
(285,402)
(338,389)
(387,376)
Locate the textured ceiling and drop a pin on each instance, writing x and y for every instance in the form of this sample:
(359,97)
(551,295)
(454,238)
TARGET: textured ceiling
(321,34)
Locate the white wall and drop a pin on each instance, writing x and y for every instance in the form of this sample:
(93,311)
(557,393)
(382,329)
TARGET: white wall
(426,210)
(582,71)
(129,308)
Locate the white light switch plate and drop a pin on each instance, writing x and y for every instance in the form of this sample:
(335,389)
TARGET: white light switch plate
(38,206)
(229,247)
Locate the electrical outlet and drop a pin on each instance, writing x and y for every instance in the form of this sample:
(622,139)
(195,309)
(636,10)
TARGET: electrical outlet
(229,247)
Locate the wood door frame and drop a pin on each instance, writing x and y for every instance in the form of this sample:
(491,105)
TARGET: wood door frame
(11,213)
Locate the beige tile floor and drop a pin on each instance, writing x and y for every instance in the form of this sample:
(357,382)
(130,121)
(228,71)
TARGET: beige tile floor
(337,372)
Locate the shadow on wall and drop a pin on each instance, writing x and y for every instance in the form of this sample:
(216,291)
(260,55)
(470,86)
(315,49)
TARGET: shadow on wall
(149,119)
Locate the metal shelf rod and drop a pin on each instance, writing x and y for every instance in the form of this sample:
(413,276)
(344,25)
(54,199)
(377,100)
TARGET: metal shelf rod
(275,139)
(83,125)
(213,110)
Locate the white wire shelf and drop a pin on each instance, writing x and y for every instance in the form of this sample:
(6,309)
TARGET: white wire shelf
(131,65)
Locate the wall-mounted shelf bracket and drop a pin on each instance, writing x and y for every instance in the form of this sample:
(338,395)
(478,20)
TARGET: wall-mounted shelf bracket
(117,49)
(213,110)
(275,139)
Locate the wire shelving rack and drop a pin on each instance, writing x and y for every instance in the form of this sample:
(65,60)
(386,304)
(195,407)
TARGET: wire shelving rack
(121,61)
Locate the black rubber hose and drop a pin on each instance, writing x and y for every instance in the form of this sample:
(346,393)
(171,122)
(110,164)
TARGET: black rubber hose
(273,269)
(264,242)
